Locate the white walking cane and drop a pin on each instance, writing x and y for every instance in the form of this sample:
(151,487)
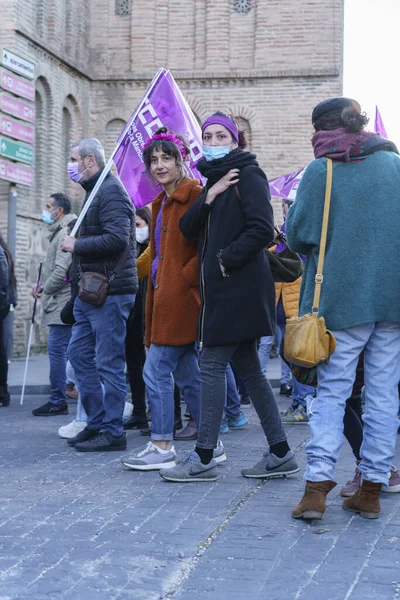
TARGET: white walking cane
(31,332)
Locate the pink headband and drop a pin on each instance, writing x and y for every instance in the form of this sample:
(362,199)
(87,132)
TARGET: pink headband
(167,137)
(225,121)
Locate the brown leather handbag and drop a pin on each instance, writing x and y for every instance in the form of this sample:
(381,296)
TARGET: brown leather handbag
(307,340)
(93,287)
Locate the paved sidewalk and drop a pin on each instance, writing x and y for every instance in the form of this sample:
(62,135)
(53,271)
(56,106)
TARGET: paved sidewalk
(37,381)
(80,526)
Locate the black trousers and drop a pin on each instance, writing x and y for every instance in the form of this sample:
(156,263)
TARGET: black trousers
(3,357)
(135,355)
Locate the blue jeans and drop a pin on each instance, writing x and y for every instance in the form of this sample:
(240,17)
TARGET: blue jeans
(264,352)
(232,403)
(301,392)
(97,353)
(381,344)
(161,364)
(59,336)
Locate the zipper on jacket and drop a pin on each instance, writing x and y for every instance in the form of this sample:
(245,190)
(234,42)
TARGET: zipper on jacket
(202,285)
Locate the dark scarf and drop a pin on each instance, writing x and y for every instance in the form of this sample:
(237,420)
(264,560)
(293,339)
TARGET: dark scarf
(213,170)
(341,145)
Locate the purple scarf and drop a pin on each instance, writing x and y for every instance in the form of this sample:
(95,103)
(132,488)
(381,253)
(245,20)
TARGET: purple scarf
(157,242)
(341,145)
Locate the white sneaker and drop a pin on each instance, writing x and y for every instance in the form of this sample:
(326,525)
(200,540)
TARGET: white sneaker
(128,410)
(219,453)
(150,458)
(72,429)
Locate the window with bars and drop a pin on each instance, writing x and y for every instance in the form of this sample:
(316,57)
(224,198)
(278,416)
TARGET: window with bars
(122,8)
(242,6)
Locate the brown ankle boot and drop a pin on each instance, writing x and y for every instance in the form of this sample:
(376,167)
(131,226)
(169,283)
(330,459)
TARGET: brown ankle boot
(365,501)
(313,503)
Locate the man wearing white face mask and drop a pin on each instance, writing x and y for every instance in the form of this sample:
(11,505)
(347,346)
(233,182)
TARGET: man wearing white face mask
(54,293)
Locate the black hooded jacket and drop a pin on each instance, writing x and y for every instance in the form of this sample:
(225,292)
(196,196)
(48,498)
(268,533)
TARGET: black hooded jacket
(107,228)
(235,228)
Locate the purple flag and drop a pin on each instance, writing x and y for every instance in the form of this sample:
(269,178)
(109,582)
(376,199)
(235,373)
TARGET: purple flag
(162,106)
(379,126)
(286,186)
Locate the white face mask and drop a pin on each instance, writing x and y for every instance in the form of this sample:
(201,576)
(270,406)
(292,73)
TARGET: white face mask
(142,234)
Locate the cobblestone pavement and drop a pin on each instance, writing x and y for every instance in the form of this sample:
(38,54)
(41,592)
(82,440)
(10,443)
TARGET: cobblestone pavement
(80,527)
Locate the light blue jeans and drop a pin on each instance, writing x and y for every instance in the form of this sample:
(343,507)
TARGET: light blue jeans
(161,363)
(301,393)
(381,344)
(265,349)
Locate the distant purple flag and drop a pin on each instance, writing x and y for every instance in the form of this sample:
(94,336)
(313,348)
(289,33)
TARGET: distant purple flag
(379,126)
(286,186)
(162,106)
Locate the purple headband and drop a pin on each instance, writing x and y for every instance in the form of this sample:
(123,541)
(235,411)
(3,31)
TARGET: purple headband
(225,121)
(167,137)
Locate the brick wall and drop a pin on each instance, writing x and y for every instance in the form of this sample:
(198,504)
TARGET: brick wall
(268,66)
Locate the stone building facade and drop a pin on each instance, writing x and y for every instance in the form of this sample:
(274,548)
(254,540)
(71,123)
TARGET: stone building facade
(268,62)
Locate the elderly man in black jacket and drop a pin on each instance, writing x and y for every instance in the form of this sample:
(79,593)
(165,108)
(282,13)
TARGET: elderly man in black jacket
(96,350)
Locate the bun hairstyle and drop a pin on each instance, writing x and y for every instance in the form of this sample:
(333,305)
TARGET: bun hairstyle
(353,121)
(242,141)
(170,143)
(339,112)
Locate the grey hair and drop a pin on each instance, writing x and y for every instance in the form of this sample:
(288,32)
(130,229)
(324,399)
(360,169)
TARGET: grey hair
(91,146)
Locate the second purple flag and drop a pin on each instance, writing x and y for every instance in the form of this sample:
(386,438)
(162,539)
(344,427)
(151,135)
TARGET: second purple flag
(162,106)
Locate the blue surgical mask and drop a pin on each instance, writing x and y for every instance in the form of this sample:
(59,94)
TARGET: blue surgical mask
(46,217)
(215,152)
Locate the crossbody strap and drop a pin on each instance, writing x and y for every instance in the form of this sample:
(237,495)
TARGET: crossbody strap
(319,278)
(123,256)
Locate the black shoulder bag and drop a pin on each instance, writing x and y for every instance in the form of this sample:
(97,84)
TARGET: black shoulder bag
(286,266)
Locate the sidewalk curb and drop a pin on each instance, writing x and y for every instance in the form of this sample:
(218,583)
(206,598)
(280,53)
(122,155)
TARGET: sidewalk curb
(44,390)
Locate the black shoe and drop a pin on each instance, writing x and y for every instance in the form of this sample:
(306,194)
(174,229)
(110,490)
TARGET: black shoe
(136,423)
(4,396)
(50,410)
(178,425)
(83,436)
(103,442)
(286,389)
(146,432)
(245,400)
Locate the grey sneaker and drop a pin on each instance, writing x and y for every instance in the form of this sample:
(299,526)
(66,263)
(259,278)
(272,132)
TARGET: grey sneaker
(220,454)
(299,416)
(271,466)
(150,458)
(191,469)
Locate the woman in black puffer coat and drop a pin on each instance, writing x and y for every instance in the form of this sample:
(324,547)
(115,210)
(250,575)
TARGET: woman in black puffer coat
(233,219)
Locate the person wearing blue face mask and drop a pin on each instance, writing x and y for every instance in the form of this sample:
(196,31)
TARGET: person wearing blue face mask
(233,220)
(54,293)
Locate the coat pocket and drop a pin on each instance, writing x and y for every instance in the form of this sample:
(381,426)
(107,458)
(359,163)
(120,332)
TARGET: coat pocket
(50,304)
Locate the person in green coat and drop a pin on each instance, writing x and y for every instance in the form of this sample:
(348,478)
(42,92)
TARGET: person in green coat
(359,299)
(54,293)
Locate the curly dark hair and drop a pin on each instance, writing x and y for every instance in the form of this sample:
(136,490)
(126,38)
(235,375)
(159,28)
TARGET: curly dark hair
(349,118)
(169,148)
(243,142)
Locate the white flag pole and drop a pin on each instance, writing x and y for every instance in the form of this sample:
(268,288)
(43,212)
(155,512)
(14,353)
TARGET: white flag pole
(37,287)
(110,162)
